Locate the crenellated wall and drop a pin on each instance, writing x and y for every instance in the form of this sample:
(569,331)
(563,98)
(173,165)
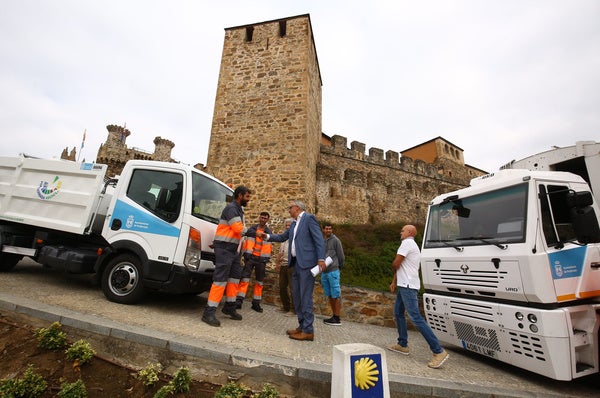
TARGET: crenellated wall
(377,187)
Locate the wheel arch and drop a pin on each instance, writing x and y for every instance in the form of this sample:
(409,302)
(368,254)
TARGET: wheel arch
(117,248)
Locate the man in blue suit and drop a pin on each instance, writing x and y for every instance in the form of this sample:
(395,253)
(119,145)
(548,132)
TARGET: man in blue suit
(306,249)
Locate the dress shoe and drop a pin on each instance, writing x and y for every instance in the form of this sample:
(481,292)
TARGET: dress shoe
(303,336)
(294,331)
(211,320)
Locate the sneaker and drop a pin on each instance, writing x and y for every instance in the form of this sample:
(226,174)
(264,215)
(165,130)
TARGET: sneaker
(400,349)
(438,359)
(211,320)
(333,321)
(256,307)
(233,314)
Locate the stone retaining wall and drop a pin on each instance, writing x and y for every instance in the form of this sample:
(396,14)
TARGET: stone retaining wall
(358,304)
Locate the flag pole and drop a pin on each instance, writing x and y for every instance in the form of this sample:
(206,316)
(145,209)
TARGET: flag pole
(82,144)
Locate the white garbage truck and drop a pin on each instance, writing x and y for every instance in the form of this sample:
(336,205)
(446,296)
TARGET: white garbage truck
(511,264)
(150,229)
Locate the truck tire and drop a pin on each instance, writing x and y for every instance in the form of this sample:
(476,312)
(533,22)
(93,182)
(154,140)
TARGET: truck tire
(122,280)
(8,261)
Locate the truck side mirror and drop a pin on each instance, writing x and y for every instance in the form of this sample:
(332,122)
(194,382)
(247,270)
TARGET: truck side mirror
(579,199)
(583,217)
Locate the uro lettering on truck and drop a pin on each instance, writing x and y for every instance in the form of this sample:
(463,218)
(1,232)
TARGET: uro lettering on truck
(135,219)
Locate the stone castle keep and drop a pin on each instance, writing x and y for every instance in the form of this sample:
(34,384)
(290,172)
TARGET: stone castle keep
(266,134)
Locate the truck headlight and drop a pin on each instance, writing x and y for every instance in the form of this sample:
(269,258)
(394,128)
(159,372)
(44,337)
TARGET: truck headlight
(193,252)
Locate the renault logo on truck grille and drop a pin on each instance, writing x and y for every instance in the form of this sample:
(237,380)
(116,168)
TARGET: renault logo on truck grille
(464,268)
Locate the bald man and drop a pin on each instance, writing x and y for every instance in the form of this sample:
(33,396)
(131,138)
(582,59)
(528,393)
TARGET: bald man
(406,278)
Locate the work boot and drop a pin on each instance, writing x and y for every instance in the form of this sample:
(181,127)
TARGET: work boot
(209,317)
(238,303)
(256,306)
(229,309)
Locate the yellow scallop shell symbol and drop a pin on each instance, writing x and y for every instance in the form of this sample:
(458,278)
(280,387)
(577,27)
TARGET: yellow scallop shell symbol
(365,373)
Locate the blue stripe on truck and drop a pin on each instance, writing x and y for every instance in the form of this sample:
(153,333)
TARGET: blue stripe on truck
(136,219)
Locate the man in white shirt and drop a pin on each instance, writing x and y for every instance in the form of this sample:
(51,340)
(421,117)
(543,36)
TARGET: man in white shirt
(406,278)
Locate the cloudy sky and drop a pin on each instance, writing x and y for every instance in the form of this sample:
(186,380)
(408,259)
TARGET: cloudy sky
(501,79)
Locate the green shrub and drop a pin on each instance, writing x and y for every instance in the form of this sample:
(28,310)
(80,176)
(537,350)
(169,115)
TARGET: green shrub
(31,385)
(231,390)
(370,250)
(149,375)
(268,391)
(181,380)
(81,351)
(165,391)
(73,390)
(52,338)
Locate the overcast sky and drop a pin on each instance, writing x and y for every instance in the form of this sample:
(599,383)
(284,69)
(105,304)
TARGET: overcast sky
(500,79)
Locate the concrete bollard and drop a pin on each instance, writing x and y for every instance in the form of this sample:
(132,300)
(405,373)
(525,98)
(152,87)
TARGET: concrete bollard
(359,371)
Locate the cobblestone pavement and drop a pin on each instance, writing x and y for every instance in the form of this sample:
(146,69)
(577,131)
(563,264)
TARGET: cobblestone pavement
(260,338)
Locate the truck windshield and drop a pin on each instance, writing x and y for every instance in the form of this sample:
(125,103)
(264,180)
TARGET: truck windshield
(492,218)
(209,198)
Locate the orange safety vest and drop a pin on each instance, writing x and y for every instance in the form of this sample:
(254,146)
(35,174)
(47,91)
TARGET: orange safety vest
(231,225)
(255,246)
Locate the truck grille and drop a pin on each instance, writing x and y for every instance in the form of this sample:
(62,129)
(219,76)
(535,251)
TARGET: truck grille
(529,346)
(437,322)
(474,279)
(479,336)
(481,312)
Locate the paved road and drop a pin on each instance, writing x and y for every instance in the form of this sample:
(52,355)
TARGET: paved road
(260,340)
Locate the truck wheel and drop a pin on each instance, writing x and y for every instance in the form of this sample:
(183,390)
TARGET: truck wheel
(8,261)
(122,280)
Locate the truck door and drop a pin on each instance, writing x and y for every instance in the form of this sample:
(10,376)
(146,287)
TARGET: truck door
(566,260)
(148,214)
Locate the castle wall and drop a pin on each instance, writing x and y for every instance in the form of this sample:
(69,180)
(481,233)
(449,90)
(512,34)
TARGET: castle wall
(354,187)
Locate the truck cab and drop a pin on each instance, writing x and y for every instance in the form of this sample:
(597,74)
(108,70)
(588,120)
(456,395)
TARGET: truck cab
(511,269)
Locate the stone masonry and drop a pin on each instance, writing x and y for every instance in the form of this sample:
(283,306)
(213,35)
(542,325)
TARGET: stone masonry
(115,152)
(266,128)
(266,134)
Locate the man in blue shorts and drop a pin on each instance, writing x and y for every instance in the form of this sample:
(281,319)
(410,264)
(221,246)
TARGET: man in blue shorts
(330,278)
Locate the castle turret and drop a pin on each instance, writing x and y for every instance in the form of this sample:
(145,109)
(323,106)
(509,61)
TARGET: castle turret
(162,149)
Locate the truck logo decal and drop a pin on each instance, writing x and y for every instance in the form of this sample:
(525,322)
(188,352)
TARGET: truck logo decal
(46,191)
(567,263)
(136,219)
(464,268)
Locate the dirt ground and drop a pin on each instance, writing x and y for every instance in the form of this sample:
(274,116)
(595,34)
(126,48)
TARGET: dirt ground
(102,378)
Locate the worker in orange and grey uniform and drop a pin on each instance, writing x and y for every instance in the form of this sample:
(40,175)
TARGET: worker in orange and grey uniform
(228,269)
(257,254)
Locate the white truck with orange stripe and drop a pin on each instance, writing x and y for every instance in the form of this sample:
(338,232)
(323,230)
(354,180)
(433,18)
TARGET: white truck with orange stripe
(150,229)
(511,264)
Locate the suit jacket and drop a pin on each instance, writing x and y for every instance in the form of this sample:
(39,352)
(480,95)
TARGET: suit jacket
(310,244)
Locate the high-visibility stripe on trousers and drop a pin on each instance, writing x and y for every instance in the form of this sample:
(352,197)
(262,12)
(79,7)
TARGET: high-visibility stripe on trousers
(226,277)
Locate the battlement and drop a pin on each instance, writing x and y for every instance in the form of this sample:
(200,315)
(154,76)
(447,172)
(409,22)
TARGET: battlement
(377,156)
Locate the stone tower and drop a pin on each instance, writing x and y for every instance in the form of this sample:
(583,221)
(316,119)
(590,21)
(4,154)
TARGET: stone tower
(266,128)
